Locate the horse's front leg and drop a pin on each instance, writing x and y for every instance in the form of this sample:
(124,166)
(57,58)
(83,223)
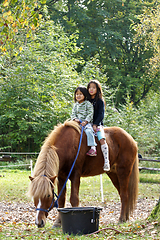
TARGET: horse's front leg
(74,197)
(61,202)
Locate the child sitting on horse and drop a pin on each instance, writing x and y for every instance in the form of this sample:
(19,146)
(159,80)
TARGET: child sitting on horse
(96,98)
(83,111)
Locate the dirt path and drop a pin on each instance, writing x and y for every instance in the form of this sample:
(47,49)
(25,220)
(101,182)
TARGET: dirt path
(22,212)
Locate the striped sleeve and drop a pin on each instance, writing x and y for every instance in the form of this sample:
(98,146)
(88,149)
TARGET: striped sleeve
(89,109)
(74,112)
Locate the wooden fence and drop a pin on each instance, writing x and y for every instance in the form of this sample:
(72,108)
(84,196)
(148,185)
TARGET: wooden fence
(148,168)
(6,157)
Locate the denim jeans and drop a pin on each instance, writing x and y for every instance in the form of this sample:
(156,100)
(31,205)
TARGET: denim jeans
(90,135)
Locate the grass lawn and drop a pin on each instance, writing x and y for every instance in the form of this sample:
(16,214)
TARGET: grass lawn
(14,186)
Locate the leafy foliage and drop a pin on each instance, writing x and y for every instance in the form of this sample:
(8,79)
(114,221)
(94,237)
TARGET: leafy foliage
(18,20)
(155,214)
(105,31)
(33,88)
(147,31)
(42,61)
(142,123)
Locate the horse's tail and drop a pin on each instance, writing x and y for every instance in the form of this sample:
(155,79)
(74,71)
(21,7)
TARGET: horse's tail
(133,188)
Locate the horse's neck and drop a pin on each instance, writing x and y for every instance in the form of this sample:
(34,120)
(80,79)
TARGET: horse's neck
(67,145)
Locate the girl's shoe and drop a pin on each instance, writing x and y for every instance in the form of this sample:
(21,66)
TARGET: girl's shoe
(92,152)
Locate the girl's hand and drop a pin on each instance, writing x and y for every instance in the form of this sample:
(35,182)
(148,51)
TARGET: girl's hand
(84,123)
(77,120)
(95,128)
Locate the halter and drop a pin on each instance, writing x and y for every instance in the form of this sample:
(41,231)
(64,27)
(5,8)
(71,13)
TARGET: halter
(54,194)
(49,209)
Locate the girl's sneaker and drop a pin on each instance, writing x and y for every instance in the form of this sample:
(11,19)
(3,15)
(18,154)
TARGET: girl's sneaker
(92,152)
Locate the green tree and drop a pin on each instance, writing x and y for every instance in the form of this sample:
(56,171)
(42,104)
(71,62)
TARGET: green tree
(37,88)
(143,123)
(147,31)
(18,21)
(105,32)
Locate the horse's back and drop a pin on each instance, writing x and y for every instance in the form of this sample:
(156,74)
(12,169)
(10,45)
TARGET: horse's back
(119,136)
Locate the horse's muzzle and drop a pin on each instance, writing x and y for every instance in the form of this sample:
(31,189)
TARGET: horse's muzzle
(40,225)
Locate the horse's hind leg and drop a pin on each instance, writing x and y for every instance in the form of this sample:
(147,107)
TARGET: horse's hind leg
(124,182)
(120,180)
(114,179)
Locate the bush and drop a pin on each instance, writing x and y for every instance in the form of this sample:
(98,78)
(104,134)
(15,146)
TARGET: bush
(143,123)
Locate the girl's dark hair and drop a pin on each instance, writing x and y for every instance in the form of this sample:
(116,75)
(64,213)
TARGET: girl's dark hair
(99,93)
(83,90)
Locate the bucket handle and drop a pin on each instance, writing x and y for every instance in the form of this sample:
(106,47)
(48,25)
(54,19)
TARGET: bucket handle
(93,220)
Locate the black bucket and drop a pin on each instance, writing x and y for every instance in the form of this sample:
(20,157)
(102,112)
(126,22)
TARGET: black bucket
(80,220)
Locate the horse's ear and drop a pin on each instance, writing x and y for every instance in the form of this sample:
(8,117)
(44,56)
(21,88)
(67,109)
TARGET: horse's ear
(31,178)
(53,179)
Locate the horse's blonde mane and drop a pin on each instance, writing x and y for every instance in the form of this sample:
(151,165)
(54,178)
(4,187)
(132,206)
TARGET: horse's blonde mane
(47,163)
(74,125)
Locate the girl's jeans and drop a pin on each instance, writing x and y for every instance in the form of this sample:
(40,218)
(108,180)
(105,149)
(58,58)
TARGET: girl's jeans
(90,135)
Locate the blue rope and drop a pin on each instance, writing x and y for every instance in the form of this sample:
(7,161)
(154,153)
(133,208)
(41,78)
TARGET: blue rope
(80,141)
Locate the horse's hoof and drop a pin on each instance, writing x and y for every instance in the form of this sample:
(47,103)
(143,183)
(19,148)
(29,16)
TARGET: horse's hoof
(57,224)
(121,221)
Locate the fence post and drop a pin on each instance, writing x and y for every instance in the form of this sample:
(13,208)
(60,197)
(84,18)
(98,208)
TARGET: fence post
(31,167)
(102,197)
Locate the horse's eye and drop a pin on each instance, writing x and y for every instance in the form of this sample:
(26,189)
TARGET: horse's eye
(48,196)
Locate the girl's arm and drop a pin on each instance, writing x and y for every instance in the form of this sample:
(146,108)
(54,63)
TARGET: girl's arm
(98,112)
(74,113)
(94,128)
(90,111)
(84,123)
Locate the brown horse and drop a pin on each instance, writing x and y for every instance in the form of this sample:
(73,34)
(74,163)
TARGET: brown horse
(55,161)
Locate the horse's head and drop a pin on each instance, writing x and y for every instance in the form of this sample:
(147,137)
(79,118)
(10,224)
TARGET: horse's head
(42,191)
